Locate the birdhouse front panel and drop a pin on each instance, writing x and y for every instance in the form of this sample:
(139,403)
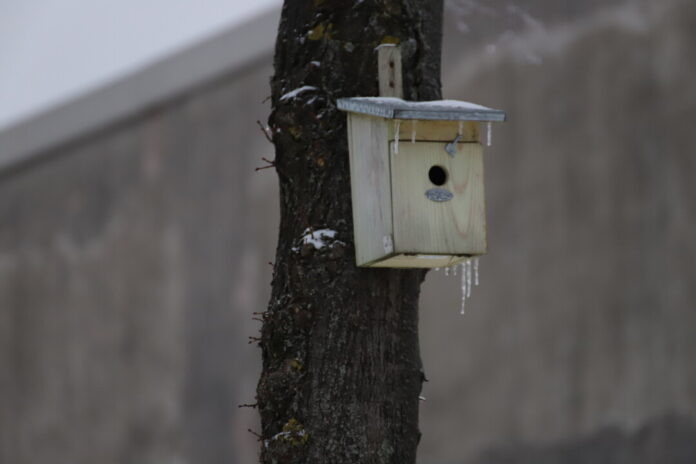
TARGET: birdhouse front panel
(438,198)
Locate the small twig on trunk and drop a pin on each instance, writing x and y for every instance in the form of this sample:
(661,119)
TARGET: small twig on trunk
(266,131)
(255,434)
(271,164)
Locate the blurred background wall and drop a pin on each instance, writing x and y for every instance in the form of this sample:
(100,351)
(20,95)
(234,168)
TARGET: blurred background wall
(134,252)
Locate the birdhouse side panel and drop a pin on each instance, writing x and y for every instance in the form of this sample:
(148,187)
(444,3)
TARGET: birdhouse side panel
(370,187)
(438,199)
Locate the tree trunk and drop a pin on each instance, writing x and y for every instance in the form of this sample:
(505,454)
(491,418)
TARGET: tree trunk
(341,363)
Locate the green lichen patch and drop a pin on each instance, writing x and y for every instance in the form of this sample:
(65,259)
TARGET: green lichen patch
(320,31)
(390,39)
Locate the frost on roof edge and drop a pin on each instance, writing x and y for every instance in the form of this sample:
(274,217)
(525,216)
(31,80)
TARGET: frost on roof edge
(396,108)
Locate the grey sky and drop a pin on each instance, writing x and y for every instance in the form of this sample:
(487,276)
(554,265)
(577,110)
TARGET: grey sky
(53,50)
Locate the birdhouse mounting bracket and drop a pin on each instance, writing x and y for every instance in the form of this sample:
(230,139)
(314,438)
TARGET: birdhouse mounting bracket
(451,147)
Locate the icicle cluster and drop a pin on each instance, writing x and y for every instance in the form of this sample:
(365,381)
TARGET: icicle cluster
(469,271)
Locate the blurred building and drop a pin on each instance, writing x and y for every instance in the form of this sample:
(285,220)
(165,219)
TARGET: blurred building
(135,236)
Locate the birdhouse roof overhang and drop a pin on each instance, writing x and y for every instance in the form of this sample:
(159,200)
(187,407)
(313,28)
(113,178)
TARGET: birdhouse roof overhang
(440,110)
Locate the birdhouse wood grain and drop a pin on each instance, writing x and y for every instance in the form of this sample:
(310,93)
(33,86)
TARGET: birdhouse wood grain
(417,180)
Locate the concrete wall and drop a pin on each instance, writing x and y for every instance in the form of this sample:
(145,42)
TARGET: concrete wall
(132,260)
(130,264)
(585,322)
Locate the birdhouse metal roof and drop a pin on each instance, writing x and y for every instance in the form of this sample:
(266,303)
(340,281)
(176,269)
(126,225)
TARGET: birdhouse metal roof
(442,110)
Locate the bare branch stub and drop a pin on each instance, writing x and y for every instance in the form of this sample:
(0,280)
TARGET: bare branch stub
(271,164)
(266,131)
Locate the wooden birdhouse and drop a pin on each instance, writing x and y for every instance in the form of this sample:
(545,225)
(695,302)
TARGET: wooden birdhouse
(416,173)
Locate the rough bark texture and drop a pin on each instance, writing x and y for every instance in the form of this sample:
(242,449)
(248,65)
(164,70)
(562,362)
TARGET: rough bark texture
(341,364)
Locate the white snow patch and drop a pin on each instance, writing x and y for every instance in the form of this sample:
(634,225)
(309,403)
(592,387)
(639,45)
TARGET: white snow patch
(283,435)
(318,238)
(294,93)
(455,104)
(449,104)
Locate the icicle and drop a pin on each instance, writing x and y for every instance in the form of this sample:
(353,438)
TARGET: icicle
(463,305)
(454,269)
(460,130)
(396,137)
(413,131)
(446,271)
(489,134)
(468,278)
(469,272)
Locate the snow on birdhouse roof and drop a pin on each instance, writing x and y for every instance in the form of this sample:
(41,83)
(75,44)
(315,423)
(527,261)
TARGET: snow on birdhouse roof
(443,110)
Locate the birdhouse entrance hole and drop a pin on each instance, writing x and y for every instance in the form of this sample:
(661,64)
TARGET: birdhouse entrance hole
(437,175)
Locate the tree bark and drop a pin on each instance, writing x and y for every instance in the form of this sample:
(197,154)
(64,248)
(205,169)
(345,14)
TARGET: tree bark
(341,364)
